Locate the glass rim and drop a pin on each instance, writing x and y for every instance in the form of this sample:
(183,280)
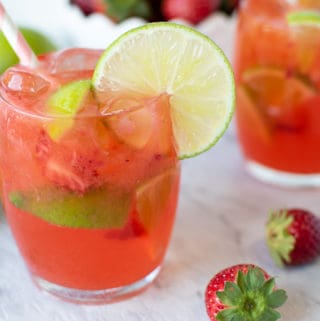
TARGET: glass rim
(103,115)
(16,107)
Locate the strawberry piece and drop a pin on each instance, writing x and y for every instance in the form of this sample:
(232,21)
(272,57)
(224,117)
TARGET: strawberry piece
(89,6)
(132,229)
(293,236)
(77,174)
(190,10)
(243,292)
(74,169)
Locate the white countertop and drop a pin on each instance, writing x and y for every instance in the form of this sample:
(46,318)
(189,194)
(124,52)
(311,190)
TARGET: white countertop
(220,222)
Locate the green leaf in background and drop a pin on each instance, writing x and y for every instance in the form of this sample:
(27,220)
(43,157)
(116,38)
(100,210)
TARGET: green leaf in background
(37,41)
(122,9)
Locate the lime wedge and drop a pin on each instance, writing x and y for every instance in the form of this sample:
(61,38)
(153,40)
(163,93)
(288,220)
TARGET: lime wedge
(276,95)
(275,87)
(305,30)
(63,105)
(157,196)
(178,61)
(304,17)
(252,115)
(99,208)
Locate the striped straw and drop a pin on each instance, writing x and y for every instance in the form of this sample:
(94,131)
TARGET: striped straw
(16,40)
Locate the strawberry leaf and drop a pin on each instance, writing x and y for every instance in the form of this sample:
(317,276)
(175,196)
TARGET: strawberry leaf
(254,278)
(241,281)
(231,294)
(280,242)
(229,315)
(276,298)
(269,315)
(268,287)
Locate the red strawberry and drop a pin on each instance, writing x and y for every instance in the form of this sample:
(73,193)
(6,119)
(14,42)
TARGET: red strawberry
(77,174)
(190,10)
(293,236)
(89,6)
(243,292)
(71,165)
(118,10)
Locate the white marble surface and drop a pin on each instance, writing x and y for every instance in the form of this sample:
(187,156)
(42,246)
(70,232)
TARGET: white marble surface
(220,222)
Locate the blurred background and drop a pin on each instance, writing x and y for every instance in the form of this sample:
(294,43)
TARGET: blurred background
(95,23)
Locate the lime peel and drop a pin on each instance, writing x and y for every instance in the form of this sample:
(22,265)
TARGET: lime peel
(304,17)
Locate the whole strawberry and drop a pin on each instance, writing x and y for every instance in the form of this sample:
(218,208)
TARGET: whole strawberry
(243,293)
(190,10)
(117,10)
(89,6)
(293,236)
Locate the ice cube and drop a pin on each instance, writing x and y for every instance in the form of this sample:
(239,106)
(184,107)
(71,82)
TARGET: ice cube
(24,83)
(75,60)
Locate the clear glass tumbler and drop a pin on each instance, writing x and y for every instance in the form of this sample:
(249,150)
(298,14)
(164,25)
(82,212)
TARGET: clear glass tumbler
(90,198)
(277,67)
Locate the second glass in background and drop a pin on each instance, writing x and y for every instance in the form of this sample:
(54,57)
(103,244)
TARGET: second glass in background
(278,90)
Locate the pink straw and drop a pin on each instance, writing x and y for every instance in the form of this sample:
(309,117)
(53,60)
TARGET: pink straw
(20,46)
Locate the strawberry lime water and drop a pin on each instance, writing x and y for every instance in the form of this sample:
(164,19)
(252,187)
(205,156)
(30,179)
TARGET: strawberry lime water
(277,61)
(90,144)
(90,198)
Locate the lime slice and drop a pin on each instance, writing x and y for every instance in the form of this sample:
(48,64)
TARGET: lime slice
(63,105)
(156,197)
(99,208)
(252,115)
(167,58)
(304,17)
(276,88)
(277,95)
(305,30)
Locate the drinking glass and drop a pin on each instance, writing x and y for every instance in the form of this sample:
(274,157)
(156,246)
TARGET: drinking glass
(277,67)
(90,198)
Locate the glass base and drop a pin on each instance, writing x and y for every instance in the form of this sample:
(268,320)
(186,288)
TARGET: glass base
(97,296)
(272,176)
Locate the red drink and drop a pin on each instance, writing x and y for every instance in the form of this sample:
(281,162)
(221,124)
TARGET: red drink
(278,94)
(91,198)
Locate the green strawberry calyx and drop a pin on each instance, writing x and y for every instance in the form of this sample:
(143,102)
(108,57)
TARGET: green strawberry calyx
(280,242)
(251,298)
